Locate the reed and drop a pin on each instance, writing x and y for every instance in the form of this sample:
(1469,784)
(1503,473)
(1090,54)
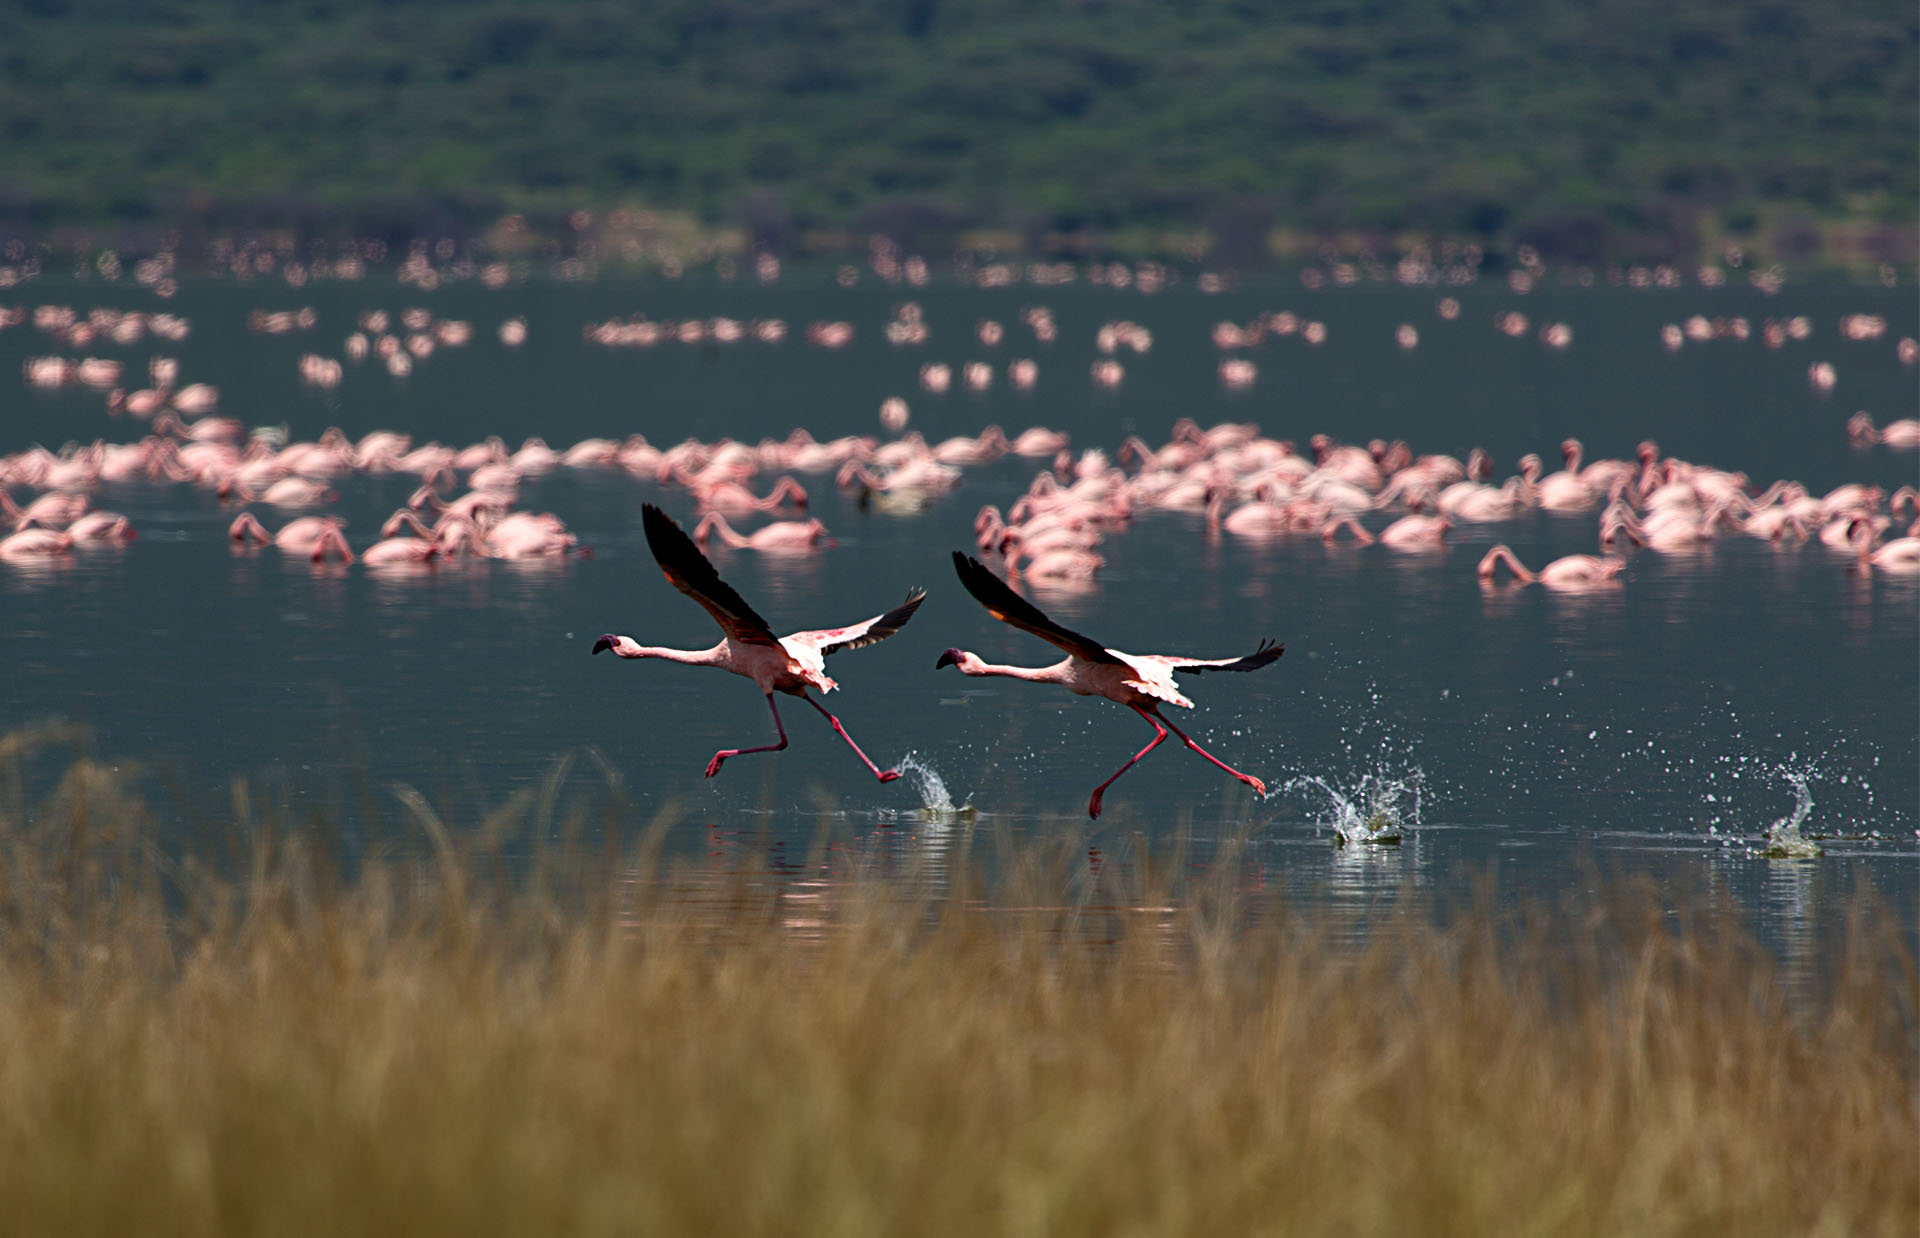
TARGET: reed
(592,1039)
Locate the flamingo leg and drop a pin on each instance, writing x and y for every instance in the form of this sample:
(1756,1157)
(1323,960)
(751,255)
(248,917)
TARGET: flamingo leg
(1249,779)
(1159,737)
(884,775)
(713,766)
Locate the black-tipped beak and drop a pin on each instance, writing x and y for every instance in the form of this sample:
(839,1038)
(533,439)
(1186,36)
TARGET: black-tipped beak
(950,658)
(604,643)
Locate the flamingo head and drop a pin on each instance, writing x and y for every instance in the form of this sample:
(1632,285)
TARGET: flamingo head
(605,643)
(950,658)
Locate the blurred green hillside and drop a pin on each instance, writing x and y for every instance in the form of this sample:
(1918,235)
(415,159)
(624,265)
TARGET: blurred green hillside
(1589,128)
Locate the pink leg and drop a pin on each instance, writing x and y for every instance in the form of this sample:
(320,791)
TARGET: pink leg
(1249,779)
(887,775)
(713,766)
(1159,737)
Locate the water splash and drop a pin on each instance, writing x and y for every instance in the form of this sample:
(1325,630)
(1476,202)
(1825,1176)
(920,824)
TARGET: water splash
(1784,839)
(1379,810)
(935,802)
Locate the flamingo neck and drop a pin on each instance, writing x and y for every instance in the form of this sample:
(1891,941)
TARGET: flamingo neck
(716,523)
(689,657)
(1489,566)
(1059,672)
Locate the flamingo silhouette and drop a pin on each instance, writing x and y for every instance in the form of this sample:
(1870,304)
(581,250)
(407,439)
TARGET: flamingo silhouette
(789,664)
(1141,682)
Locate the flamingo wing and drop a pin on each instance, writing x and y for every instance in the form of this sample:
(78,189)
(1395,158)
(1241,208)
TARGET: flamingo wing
(693,575)
(1268,653)
(1012,609)
(866,632)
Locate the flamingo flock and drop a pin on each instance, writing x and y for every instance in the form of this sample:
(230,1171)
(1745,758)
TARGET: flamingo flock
(1059,533)
(1244,484)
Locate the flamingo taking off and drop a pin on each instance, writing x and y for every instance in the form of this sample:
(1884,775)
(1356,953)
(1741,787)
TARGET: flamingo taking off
(789,664)
(1138,681)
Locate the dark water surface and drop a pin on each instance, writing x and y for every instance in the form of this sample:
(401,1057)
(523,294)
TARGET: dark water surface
(1657,730)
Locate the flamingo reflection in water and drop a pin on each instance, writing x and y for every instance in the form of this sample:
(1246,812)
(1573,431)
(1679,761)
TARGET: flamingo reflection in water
(789,664)
(1141,682)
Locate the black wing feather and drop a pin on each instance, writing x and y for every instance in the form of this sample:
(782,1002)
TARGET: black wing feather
(1010,608)
(883,627)
(1268,653)
(693,575)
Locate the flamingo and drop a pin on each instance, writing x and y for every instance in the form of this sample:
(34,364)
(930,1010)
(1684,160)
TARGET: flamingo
(1900,556)
(1571,574)
(782,536)
(308,535)
(54,509)
(1565,491)
(35,543)
(99,527)
(749,648)
(1902,435)
(1416,532)
(395,551)
(1141,682)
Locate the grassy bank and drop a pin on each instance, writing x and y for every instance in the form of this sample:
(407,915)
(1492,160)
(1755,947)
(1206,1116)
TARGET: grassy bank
(596,1041)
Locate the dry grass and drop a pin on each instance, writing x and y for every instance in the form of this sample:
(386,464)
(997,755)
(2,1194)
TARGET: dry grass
(581,1044)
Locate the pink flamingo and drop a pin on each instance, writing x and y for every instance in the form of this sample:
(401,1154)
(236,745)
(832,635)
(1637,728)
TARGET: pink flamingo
(1565,491)
(964,452)
(749,648)
(54,509)
(395,551)
(781,535)
(1063,563)
(731,496)
(99,528)
(1475,503)
(533,535)
(1902,435)
(308,535)
(1141,682)
(1601,476)
(1416,532)
(1037,441)
(1572,574)
(1774,524)
(1257,518)
(35,543)
(1900,556)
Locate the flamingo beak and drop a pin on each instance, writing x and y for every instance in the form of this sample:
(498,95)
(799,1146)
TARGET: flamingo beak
(950,658)
(604,643)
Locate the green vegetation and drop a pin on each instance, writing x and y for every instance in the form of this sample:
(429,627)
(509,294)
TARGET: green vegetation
(611,1043)
(1592,129)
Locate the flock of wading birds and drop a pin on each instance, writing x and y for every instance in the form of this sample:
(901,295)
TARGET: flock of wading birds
(1245,484)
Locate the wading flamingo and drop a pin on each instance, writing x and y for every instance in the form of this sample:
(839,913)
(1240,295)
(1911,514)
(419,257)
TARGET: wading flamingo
(775,664)
(1138,681)
(1571,574)
(787,536)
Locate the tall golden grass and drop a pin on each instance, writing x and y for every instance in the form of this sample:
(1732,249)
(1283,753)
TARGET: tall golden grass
(605,1041)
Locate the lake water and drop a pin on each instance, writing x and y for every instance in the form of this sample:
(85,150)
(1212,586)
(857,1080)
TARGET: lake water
(1657,730)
